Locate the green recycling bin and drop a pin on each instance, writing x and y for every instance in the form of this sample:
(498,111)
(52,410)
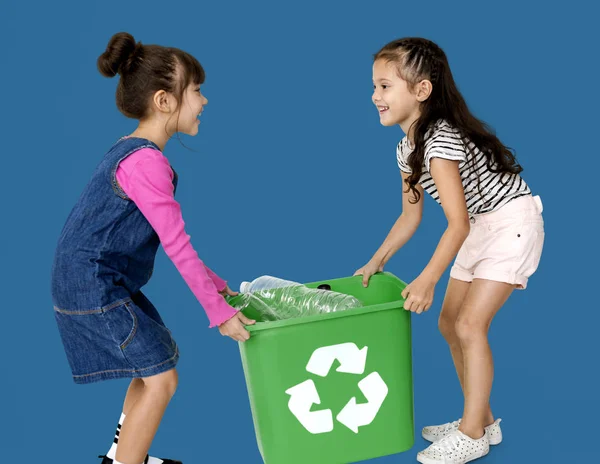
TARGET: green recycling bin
(333,388)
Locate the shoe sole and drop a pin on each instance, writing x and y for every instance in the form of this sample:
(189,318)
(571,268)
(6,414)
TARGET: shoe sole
(430,438)
(426,460)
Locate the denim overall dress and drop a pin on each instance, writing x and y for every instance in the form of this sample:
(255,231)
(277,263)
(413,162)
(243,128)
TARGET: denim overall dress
(104,256)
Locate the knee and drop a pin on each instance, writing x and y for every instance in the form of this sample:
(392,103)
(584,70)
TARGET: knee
(469,330)
(446,326)
(165,383)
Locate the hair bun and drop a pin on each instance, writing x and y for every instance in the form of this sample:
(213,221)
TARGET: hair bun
(119,49)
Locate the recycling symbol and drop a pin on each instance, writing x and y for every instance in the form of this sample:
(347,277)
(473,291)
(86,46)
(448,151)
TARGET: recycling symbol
(353,415)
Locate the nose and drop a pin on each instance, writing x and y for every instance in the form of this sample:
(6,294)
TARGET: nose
(205,100)
(375,97)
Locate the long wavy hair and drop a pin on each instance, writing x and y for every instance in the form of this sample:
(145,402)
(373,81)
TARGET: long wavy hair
(417,59)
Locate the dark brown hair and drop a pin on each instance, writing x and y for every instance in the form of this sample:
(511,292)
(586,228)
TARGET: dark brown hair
(146,69)
(417,59)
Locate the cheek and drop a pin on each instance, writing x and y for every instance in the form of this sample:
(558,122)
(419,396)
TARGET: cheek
(400,102)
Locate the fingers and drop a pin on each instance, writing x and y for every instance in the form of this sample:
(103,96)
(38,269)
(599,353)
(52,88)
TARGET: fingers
(366,279)
(228,291)
(365,274)
(233,328)
(241,335)
(405,292)
(416,305)
(244,319)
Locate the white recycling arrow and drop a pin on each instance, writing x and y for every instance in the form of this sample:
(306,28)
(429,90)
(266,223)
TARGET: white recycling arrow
(355,415)
(352,360)
(302,397)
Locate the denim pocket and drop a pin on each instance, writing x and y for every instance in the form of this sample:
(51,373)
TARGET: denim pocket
(122,324)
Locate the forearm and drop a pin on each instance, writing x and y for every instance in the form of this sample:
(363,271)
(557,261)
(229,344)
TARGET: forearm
(401,232)
(446,251)
(218,281)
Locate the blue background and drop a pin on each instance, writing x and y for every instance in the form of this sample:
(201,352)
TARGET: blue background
(292,175)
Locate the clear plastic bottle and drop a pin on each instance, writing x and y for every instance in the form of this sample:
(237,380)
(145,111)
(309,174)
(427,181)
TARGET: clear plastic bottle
(283,299)
(265,283)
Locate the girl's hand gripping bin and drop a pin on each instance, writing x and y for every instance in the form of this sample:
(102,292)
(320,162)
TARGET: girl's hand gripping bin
(333,388)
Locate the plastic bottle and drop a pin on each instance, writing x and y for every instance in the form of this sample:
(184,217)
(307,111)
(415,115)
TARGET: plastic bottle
(283,299)
(265,283)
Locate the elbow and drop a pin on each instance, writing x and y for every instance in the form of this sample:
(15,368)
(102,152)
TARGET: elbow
(412,219)
(460,228)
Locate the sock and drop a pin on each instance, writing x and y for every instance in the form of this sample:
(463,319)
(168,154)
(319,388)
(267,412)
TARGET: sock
(152,460)
(112,452)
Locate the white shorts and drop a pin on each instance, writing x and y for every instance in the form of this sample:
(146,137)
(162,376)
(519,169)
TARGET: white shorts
(503,245)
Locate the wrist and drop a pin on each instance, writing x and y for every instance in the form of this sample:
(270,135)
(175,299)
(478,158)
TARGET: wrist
(379,259)
(431,275)
(222,286)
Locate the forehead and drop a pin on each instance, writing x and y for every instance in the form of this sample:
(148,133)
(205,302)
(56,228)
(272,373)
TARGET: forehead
(383,69)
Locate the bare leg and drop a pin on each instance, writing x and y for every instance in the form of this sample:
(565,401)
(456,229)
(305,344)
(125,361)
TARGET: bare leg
(453,301)
(482,302)
(136,387)
(144,416)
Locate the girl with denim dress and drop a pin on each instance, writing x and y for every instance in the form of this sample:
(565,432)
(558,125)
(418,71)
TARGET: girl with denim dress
(495,227)
(107,248)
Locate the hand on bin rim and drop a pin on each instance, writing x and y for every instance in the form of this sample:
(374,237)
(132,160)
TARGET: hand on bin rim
(234,327)
(418,294)
(368,270)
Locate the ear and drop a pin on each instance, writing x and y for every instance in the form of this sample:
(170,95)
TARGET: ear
(162,101)
(424,89)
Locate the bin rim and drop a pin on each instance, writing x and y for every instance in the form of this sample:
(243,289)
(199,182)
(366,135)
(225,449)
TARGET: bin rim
(396,304)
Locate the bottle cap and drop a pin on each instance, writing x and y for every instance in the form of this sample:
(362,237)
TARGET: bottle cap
(244,287)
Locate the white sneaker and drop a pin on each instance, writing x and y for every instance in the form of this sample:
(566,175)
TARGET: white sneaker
(434,433)
(455,448)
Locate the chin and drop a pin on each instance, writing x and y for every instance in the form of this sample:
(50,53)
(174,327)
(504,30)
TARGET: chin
(387,123)
(193,131)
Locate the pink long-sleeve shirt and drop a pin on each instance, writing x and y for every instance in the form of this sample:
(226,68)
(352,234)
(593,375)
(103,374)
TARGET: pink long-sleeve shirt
(146,178)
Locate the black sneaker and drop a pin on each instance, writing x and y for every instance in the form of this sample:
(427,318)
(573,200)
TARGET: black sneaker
(107,460)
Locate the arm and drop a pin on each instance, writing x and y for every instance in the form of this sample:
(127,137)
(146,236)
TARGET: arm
(219,283)
(149,183)
(445,174)
(401,232)
(449,186)
(403,229)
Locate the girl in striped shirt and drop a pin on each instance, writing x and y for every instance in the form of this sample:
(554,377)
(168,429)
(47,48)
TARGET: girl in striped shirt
(495,229)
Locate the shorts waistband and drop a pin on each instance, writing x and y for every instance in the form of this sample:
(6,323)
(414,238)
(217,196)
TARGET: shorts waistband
(527,203)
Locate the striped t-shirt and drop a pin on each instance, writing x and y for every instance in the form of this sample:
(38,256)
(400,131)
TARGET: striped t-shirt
(497,189)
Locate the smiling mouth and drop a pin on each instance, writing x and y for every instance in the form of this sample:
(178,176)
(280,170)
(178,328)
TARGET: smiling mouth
(383,109)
